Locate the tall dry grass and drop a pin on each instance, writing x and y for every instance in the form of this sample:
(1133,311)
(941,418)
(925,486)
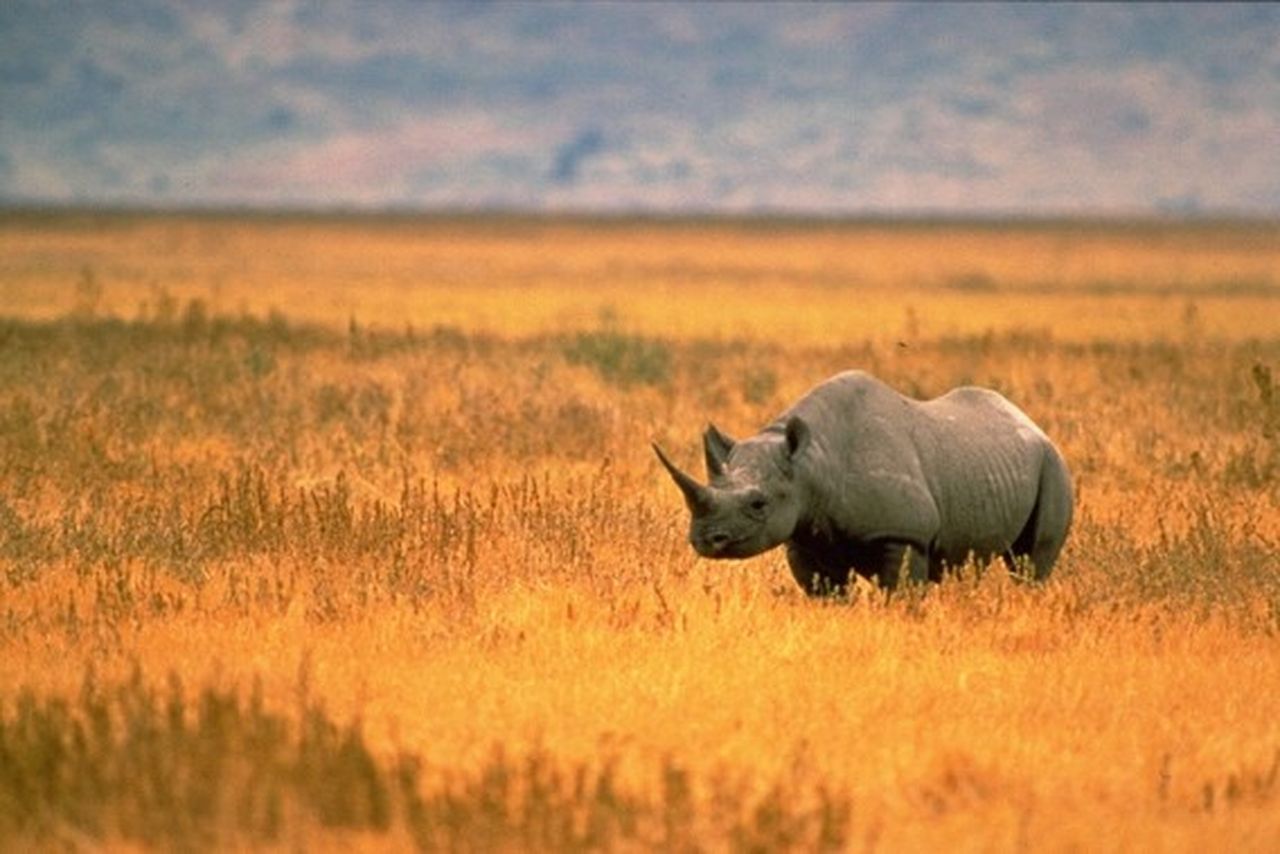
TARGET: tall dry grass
(334,533)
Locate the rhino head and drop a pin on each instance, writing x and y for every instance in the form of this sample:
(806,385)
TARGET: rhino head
(752,501)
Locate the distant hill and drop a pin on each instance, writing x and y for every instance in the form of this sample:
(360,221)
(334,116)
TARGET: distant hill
(818,109)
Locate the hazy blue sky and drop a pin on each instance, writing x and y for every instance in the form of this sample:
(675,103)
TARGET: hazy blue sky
(802,107)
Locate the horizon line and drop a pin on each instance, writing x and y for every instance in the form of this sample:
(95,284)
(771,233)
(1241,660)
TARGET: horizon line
(652,215)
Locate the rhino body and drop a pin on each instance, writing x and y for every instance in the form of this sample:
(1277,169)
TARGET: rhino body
(856,477)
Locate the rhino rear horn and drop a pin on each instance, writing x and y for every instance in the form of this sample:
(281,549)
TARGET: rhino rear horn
(717,446)
(695,494)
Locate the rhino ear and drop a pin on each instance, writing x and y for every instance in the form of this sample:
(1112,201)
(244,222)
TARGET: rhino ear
(717,447)
(797,435)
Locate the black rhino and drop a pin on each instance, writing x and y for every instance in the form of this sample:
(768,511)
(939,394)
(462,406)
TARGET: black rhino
(856,477)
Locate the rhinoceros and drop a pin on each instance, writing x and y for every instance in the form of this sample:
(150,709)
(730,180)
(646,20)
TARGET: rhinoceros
(856,477)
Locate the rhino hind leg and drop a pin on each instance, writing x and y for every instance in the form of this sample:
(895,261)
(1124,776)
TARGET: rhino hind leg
(1045,532)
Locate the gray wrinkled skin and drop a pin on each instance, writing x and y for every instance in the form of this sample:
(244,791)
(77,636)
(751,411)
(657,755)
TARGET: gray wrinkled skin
(855,477)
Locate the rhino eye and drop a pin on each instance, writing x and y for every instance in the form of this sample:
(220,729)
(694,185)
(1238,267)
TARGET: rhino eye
(758,504)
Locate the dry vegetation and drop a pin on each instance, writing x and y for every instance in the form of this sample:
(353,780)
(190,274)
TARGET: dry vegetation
(327,533)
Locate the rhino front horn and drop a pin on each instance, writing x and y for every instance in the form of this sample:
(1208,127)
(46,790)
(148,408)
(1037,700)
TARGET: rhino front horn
(695,494)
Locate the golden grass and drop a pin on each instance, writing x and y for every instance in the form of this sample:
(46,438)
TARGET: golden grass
(423,490)
(839,283)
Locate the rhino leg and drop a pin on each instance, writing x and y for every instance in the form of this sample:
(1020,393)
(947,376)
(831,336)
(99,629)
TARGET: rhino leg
(821,572)
(898,561)
(816,574)
(1046,531)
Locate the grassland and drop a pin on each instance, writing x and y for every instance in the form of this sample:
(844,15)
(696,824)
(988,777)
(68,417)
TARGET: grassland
(331,532)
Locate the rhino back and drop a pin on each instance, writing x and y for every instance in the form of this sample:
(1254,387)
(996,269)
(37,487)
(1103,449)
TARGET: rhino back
(982,458)
(953,474)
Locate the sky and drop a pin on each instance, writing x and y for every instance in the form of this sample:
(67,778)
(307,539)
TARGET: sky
(846,109)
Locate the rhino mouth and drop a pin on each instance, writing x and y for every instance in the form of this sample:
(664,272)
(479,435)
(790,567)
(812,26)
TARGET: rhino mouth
(722,546)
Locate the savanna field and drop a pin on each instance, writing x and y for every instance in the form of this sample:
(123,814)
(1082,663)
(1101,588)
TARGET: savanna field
(323,532)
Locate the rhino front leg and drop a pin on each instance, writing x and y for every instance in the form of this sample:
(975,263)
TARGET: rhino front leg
(821,573)
(817,575)
(899,560)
